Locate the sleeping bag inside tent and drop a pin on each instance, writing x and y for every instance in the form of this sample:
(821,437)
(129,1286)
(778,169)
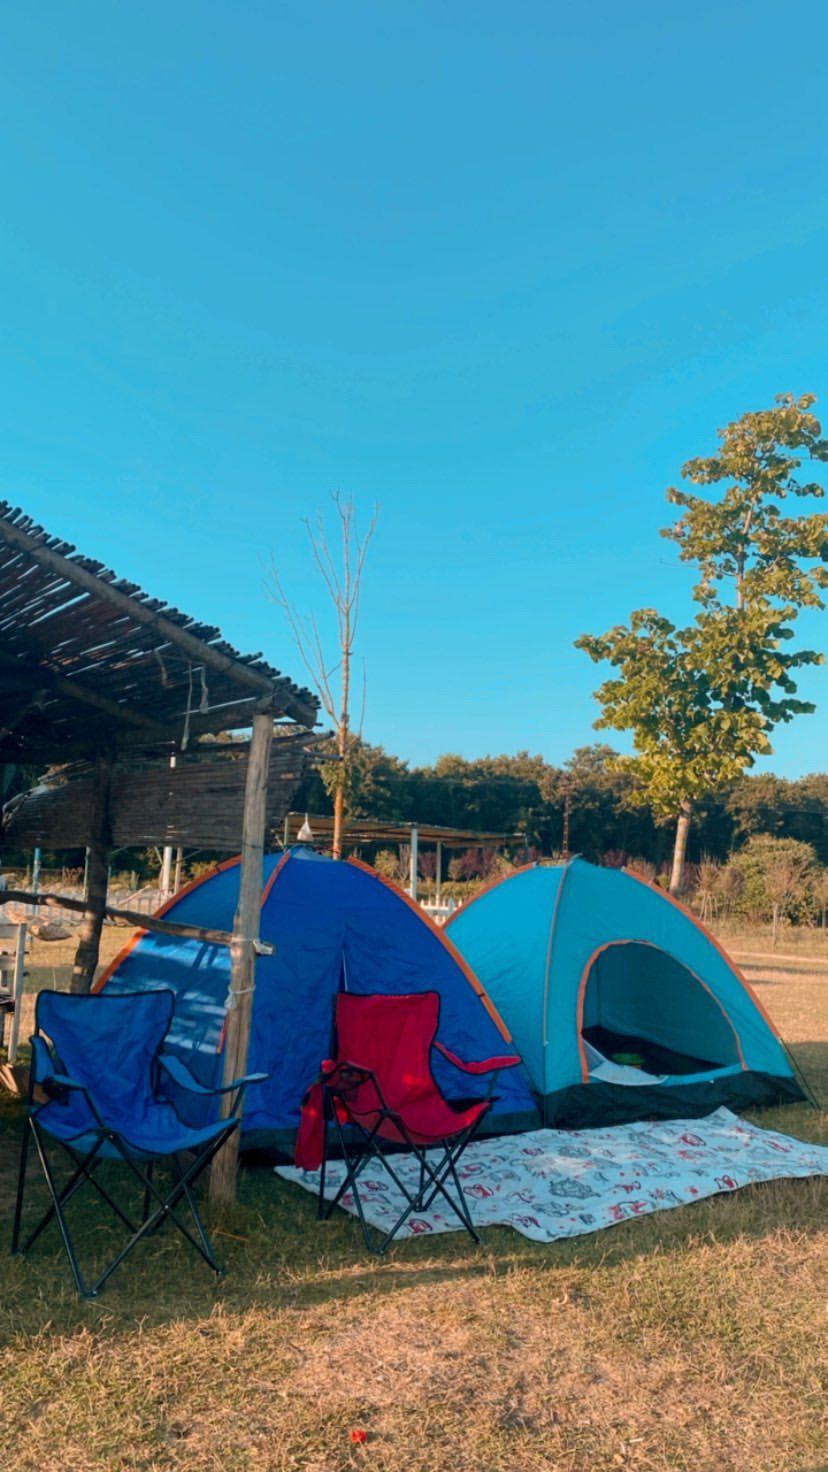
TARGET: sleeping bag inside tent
(336,926)
(622,1006)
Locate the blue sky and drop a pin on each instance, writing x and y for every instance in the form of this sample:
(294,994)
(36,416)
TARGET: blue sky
(501,268)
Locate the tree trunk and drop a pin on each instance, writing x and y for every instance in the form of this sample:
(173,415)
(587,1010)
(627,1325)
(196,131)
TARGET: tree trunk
(97,880)
(246,926)
(680,850)
(342,739)
(775,931)
(338,812)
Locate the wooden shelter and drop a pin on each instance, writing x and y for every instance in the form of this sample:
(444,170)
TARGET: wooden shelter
(95,671)
(360,831)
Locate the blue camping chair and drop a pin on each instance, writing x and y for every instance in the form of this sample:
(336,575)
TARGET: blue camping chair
(99,1061)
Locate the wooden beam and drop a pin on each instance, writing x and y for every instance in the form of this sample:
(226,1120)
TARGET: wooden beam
(43,678)
(140,921)
(246,926)
(169,631)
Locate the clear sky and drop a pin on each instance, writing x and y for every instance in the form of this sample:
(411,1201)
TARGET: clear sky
(500,267)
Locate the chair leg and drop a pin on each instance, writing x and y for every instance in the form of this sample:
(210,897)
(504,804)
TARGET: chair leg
(58,1201)
(21,1185)
(84,1172)
(375,1240)
(165,1210)
(148,1192)
(439,1174)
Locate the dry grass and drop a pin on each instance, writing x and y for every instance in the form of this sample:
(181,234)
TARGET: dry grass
(690,1341)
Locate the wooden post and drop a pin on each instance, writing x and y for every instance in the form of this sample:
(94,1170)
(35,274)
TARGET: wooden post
(245,933)
(438,874)
(97,879)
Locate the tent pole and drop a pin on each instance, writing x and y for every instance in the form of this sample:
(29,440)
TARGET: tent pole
(246,925)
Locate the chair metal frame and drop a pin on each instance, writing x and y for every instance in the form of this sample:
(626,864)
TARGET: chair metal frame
(340,1080)
(158,1207)
(363,1146)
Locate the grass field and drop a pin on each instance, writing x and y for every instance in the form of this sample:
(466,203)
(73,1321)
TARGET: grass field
(692,1340)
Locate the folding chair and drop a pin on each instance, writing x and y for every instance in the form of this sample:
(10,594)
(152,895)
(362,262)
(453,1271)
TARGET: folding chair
(99,1061)
(381,1096)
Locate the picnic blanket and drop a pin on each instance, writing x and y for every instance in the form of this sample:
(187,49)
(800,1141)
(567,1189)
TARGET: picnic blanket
(562,1183)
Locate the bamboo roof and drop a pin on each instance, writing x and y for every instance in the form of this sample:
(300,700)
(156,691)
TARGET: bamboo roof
(368,830)
(90,662)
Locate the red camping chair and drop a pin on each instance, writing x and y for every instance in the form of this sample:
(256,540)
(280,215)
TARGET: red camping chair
(380,1094)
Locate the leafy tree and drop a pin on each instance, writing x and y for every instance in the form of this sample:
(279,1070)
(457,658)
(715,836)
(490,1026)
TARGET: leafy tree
(702,700)
(777,878)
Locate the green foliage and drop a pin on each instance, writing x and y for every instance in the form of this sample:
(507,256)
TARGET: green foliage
(777,875)
(743,537)
(701,701)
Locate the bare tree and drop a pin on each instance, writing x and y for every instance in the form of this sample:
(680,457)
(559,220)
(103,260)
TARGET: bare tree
(785,879)
(707,888)
(341,573)
(728,886)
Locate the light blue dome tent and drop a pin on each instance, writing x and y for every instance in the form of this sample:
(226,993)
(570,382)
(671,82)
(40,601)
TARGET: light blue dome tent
(622,1006)
(336,925)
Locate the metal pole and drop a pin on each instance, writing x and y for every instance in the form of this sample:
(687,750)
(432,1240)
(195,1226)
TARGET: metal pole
(165,881)
(438,873)
(412,877)
(17,992)
(36,871)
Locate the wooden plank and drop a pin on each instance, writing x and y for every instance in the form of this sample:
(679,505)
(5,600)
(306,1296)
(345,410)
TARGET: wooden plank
(76,690)
(245,934)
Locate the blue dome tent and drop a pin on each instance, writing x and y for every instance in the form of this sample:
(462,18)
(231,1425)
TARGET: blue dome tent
(622,1006)
(336,925)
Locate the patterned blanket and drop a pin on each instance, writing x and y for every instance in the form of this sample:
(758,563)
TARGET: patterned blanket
(561,1183)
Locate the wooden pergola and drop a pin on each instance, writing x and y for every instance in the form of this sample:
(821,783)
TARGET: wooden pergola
(93,671)
(359,831)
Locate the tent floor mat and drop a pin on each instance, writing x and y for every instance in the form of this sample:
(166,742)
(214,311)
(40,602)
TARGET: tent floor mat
(655,1057)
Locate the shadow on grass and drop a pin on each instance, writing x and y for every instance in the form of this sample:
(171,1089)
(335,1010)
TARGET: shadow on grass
(279,1257)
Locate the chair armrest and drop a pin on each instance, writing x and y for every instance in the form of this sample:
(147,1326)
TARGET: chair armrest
(45,1070)
(46,1076)
(180,1074)
(483,1065)
(63,1081)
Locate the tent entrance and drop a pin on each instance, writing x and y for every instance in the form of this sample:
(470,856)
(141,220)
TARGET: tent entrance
(645,1010)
